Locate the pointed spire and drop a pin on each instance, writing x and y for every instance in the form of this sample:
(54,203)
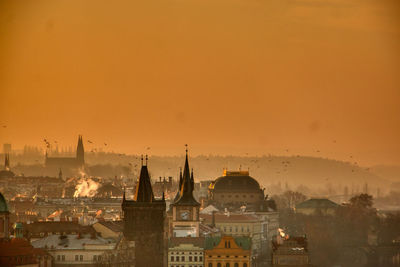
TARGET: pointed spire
(60,174)
(178,194)
(186,190)
(80,151)
(144,192)
(7,162)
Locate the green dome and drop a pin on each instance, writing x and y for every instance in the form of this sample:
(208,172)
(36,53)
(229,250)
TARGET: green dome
(3,204)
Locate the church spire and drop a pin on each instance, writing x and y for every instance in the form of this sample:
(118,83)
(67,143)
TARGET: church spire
(80,151)
(186,190)
(7,162)
(144,192)
(124,196)
(178,193)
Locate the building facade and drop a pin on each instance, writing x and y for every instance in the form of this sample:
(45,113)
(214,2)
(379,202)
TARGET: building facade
(186,251)
(227,251)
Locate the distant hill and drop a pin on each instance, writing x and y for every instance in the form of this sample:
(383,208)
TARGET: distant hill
(273,172)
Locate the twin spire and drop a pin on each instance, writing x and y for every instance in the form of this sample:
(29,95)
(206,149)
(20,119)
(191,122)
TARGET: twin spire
(144,191)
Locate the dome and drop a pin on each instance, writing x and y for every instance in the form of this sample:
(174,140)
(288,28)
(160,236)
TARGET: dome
(3,204)
(238,181)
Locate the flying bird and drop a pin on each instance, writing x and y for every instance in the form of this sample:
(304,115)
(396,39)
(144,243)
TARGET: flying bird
(89,141)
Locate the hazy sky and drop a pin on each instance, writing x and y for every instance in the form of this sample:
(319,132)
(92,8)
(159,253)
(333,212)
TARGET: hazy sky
(224,76)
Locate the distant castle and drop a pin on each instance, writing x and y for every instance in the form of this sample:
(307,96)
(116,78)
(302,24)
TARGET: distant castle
(68,163)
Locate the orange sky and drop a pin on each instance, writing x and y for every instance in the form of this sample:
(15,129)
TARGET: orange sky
(225,76)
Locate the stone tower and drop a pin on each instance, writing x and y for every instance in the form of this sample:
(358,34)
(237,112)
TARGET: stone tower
(144,222)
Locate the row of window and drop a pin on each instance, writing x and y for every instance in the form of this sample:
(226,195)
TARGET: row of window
(78,257)
(226,265)
(190,253)
(60,257)
(190,258)
(237,229)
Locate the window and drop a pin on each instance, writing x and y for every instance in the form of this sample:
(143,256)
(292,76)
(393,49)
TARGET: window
(81,257)
(236,264)
(58,257)
(172,258)
(244,264)
(195,258)
(76,257)
(210,265)
(183,258)
(177,258)
(190,258)
(200,258)
(63,257)
(228,265)
(218,264)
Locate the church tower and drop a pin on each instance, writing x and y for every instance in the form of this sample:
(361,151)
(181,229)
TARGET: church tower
(80,152)
(185,209)
(144,222)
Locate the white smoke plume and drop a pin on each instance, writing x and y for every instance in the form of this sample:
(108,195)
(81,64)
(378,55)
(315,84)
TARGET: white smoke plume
(86,188)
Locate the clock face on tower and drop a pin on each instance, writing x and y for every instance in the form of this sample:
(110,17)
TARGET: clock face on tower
(185,215)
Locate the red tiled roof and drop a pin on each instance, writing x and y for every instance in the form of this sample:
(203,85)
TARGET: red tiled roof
(19,248)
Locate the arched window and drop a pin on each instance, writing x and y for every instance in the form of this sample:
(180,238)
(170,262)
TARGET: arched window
(236,264)
(227,265)
(218,264)
(210,265)
(244,264)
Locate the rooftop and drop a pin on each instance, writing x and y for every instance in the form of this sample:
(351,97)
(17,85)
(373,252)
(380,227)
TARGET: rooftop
(317,203)
(69,242)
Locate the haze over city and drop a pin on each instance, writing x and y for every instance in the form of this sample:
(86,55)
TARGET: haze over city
(310,77)
(200,133)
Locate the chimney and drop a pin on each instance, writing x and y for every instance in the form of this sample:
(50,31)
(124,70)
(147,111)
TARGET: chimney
(213,218)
